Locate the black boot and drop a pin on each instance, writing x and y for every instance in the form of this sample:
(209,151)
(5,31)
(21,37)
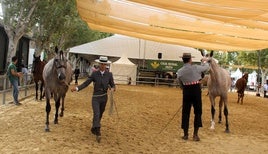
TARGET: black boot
(185,136)
(93,130)
(196,137)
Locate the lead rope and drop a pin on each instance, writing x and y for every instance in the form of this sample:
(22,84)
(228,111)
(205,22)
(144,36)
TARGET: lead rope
(170,120)
(112,107)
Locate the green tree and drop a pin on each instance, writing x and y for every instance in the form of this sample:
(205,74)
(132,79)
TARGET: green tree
(59,24)
(17,18)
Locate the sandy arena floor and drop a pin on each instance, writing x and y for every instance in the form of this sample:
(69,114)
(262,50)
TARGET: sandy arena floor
(143,111)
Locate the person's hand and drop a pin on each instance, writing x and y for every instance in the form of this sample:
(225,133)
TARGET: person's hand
(20,74)
(204,60)
(73,89)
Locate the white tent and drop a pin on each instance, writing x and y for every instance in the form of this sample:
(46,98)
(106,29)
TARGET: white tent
(124,71)
(252,80)
(134,48)
(236,75)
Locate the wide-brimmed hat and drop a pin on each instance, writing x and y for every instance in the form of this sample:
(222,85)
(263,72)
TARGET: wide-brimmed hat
(186,55)
(103,60)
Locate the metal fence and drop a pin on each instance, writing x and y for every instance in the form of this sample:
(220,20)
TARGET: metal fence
(155,81)
(25,89)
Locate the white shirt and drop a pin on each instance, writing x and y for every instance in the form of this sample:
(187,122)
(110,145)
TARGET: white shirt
(265,87)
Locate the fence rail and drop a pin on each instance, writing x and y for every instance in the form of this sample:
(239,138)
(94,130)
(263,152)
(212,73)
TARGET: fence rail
(6,93)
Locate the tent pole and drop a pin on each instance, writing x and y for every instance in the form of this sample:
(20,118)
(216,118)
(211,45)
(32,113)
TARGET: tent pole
(144,53)
(259,73)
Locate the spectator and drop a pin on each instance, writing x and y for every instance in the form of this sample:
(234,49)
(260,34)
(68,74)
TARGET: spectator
(24,71)
(265,89)
(13,77)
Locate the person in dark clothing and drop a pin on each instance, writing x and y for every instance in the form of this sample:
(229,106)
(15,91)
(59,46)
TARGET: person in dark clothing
(103,80)
(76,74)
(189,79)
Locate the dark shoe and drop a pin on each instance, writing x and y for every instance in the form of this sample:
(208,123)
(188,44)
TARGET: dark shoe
(93,131)
(18,104)
(196,138)
(185,137)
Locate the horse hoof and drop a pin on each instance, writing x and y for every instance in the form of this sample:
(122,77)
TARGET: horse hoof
(227,131)
(47,130)
(98,138)
(56,122)
(61,114)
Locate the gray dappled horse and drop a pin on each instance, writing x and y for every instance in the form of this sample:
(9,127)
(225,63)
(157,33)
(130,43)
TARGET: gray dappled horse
(57,75)
(219,82)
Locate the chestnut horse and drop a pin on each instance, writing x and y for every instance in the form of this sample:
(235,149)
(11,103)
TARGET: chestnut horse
(241,85)
(57,75)
(38,67)
(219,82)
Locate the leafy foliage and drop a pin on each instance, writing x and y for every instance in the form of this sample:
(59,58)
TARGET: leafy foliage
(51,23)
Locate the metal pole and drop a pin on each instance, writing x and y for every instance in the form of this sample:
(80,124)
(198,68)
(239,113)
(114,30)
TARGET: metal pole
(5,87)
(259,73)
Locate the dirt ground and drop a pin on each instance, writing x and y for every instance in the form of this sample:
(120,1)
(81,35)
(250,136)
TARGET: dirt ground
(143,111)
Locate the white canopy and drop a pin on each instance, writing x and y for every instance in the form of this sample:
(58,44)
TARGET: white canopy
(237,74)
(124,71)
(118,45)
(252,79)
(227,25)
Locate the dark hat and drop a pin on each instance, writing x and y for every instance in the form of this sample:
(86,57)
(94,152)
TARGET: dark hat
(186,55)
(103,60)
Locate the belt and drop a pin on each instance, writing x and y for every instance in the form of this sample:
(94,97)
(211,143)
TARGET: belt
(191,83)
(99,95)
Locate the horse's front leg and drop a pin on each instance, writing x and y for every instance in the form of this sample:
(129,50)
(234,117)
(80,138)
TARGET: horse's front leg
(238,97)
(220,110)
(48,109)
(226,118)
(62,106)
(36,91)
(242,97)
(212,113)
(57,105)
(41,91)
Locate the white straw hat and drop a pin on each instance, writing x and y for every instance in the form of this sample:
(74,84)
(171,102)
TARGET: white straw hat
(103,60)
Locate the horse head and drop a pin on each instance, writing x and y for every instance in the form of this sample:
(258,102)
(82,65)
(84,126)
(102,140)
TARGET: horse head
(206,56)
(60,65)
(36,60)
(245,76)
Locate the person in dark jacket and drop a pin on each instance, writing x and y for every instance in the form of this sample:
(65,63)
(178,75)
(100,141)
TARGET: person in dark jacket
(103,80)
(76,74)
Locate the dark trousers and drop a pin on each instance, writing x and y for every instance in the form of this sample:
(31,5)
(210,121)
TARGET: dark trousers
(191,97)
(264,94)
(98,106)
(76,78)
